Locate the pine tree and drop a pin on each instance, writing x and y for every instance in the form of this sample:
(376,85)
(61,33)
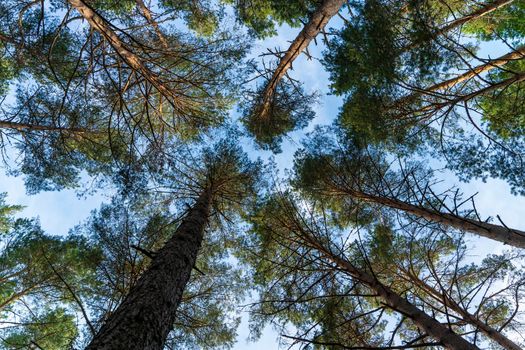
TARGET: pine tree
(147,313)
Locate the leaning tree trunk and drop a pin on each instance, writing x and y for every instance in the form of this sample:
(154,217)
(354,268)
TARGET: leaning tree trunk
(471,73)
(425,323)
(483,11)
(320,18)
(100,24)
(479,13)
(473,320)
(146,315)
(498,233)
(6,124)
(429,109)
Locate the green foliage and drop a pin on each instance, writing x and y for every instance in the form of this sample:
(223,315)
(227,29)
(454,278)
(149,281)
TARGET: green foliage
(49,329)
(69,77)
(43,282)
(288,109)
(365,51)
(471,156)
(82,109)
(503,109)
(206,318)
(507,22)
(6,214)
(262,16)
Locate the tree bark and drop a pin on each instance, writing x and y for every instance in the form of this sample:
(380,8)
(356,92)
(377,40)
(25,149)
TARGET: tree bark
(476,71)
(146,315)
(517,78)
(425,323)
(481,12)
(486,329)
(485,10)
(131,59)
(320,18)
(498,233)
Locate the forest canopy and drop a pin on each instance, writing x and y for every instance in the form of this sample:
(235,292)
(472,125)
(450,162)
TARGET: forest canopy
(304,166)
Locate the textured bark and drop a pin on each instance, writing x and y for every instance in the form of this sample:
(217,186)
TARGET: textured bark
(498,233)
(103,27)
(486,329)
(425,323)
(320,18)
(146,315)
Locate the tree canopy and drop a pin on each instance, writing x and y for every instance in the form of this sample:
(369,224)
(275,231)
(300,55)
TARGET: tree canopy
(307,162)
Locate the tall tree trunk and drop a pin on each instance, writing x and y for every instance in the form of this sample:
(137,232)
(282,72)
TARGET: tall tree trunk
(471,73)
(425,323)
(146,12)
(486,329)
(5,124)
(320,18)
(483,11)
(146,315)
(517,78)
(498,233)
(98,23)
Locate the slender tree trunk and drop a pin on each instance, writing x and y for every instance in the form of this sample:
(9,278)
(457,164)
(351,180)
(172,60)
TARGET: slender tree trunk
(476,71)
(132,60)
(146,315)
(20,294)
(425,323)
(149,17)
(485,10)
(517,78)
(481,12)
(4,124)
(486,329)
(498,233)
(320,18)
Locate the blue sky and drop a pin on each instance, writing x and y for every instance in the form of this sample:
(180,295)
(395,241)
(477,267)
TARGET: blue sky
(60,211)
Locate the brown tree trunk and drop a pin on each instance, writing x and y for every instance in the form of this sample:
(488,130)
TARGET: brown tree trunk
(146,315)
(485,10)
(476,71)
(486,329)
(98,23)
(517,78)
(498,233)
(425,323)
(320,18)
(5,124)
(146,12)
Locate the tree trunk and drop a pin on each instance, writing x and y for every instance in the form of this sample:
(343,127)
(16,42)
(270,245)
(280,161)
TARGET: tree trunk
(5,124)
(481,12)
(498,233)
(486,329)
(131,59)
(425,323)
(146,315)
(485,10)
(320,18)
(517,78)
(476,71)
(146,12)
